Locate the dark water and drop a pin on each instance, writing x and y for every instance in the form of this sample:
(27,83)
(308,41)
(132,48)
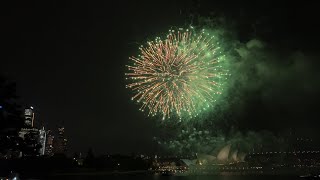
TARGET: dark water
(151,177)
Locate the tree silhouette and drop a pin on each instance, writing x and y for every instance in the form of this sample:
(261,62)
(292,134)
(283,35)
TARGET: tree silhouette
(10,118)
(10,111)
(90,159)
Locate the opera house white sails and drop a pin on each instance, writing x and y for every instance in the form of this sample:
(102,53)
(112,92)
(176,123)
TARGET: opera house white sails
(224,156)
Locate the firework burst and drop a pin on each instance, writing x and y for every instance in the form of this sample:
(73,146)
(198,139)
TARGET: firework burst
(179,76)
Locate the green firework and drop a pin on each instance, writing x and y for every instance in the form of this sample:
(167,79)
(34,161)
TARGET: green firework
(179,76)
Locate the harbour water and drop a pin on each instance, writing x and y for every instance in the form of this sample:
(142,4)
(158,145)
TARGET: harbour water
(153,177)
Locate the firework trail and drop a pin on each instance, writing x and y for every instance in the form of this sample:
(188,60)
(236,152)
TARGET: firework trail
(180,76)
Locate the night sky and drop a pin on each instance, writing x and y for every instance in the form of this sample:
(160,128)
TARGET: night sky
(68,60)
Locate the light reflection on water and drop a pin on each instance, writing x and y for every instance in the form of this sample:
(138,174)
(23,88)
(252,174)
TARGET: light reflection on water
(150,177)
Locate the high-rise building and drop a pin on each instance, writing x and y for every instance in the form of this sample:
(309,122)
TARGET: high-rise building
(31,141)
(29,117)
(42,141)
(30,135)
(49,143)
(34,139)
(60,145)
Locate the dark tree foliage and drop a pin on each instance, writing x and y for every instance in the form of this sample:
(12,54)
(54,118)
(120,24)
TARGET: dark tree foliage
(10,117)
(89,160)
(10,111)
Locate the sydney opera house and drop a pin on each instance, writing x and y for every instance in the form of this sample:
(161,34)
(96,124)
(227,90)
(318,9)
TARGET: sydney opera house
(225,159)
(229,161)
(224,156)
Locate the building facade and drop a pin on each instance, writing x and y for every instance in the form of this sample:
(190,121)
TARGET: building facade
(49,144)
(60,143)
